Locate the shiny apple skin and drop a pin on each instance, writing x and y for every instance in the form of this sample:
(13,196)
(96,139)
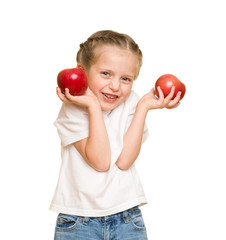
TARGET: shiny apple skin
(74,79)
(166,82)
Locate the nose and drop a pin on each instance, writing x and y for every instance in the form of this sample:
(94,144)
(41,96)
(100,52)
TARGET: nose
(114,85)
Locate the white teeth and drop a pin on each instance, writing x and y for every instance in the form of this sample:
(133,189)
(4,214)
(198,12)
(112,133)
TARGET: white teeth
(111,97)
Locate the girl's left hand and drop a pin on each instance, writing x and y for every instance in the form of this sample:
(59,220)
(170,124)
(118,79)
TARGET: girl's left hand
(153,102)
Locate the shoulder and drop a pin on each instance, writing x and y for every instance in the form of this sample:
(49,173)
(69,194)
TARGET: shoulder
(72,111)
(72,123)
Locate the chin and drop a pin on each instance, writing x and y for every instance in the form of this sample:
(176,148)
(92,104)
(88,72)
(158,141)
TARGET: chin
(108,107)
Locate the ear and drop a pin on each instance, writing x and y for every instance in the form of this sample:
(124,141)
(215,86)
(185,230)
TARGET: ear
(79,65)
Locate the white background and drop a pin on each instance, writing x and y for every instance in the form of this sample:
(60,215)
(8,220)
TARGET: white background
(182,164)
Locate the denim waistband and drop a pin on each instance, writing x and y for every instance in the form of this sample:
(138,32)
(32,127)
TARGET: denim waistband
(125,214)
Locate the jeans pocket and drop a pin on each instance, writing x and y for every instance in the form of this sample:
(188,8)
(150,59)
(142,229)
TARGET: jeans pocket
(66,222)
(137,221)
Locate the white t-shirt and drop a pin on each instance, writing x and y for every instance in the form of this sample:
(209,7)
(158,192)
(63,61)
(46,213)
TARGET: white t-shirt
(83,191)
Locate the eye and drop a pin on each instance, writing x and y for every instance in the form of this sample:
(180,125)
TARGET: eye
(126,79)
(106,74)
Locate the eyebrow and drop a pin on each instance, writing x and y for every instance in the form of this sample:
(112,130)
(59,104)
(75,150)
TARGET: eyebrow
(130,76)
(109,70)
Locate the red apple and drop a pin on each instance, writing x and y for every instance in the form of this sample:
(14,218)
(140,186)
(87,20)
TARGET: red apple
(166,82)
(74,79)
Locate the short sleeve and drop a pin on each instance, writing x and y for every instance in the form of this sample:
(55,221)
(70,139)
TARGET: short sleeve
(72,123)
(133,100)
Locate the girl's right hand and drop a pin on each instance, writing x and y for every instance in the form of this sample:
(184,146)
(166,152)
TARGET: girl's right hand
(87,100)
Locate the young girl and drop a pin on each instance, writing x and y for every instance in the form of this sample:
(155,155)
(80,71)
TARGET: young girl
(99,192)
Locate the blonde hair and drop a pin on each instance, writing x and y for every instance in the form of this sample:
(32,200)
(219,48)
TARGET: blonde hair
(86,54)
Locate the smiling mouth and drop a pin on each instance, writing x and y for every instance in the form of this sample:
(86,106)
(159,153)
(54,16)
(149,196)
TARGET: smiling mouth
(110,96)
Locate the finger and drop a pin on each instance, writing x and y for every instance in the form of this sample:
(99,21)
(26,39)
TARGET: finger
(177,98)
(152,92)
(170,95)
(174,106)
(58,90)
(70,97)
(175,101)
(61,95)
(161,98)
(67,94)
(161,95)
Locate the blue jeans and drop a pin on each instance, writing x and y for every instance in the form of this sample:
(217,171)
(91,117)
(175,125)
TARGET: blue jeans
(121,226)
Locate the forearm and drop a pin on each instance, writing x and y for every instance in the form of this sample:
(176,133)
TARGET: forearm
(133,139)
(97,147)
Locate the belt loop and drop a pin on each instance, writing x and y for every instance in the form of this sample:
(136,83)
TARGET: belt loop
(126,216)
(85,220)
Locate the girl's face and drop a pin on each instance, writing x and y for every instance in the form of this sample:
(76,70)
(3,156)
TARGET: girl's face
(111,76)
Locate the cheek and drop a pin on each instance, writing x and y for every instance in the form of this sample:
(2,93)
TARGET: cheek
(92,83)
(95,86)
(126,91)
